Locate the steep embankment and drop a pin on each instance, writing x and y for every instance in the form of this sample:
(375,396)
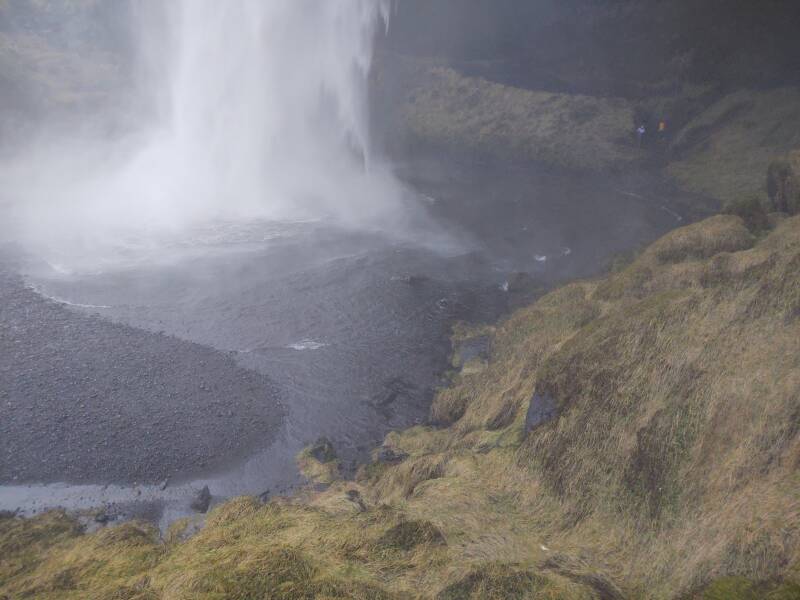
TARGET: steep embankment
(636,436)
(721,149)
(488,119)
(724,150)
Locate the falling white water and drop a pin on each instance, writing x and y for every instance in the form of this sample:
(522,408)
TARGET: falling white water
(263,114)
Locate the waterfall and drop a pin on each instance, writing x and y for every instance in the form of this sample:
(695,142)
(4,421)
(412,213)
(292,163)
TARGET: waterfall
(267,103)
(262,113)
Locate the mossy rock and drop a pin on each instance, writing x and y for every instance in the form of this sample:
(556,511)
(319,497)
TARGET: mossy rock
(408,535)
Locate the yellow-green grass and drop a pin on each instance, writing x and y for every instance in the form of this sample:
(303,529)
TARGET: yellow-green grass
(724,152)
(574,131)
(671,471)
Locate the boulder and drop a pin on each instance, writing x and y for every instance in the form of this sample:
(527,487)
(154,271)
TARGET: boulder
(322,450)
(390,456)
(201,501)
(542,408)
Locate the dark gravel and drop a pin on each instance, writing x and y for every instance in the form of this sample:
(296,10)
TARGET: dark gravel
(85,400)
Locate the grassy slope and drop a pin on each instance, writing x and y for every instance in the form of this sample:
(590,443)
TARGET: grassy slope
(726,149)
(674,462)
(722,152)
(465,113)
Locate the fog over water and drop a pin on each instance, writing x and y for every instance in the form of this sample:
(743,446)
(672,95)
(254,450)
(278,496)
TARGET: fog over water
(259,110)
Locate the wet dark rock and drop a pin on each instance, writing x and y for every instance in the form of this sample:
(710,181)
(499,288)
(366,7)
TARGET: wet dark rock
(396,392)
(476,348)
(521,283)
(323,450)
(390,455)
(202,501)
(355,497)
(102,517)
(542,408)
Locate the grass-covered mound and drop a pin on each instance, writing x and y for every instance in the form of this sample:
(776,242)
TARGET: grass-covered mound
(637,436)
(463,113)
(726,149)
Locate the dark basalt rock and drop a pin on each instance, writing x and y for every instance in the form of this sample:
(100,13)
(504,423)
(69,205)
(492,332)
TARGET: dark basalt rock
(476,348)
(390,456)
(521,283)
(355,497)
(542,408)
(202,501)
(102,517)
(323,450)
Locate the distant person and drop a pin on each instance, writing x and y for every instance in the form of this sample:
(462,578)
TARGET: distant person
(640,132)
(662,130)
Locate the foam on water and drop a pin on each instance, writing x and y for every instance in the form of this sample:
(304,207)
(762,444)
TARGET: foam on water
(307,344)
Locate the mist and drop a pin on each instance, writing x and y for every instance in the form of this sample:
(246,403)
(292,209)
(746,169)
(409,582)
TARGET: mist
(254,110)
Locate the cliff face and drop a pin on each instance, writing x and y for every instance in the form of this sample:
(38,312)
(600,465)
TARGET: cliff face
(609,47)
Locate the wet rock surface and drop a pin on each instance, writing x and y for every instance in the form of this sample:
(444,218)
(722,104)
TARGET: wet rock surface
(390,456)
(542,409)
(202,501)
(86,400)
(476,348)
(323,451)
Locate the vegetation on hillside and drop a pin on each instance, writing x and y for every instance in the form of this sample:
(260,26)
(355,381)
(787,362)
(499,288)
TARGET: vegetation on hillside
(471,114)
(636,436)
(725,150)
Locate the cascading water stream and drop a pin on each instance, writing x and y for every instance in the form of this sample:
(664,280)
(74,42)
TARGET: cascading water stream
(262,114)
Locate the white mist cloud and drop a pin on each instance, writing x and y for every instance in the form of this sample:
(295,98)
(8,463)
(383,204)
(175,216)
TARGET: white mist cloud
(262,113)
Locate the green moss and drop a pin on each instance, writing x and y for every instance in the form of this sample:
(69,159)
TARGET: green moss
(731,588)
(785,591)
